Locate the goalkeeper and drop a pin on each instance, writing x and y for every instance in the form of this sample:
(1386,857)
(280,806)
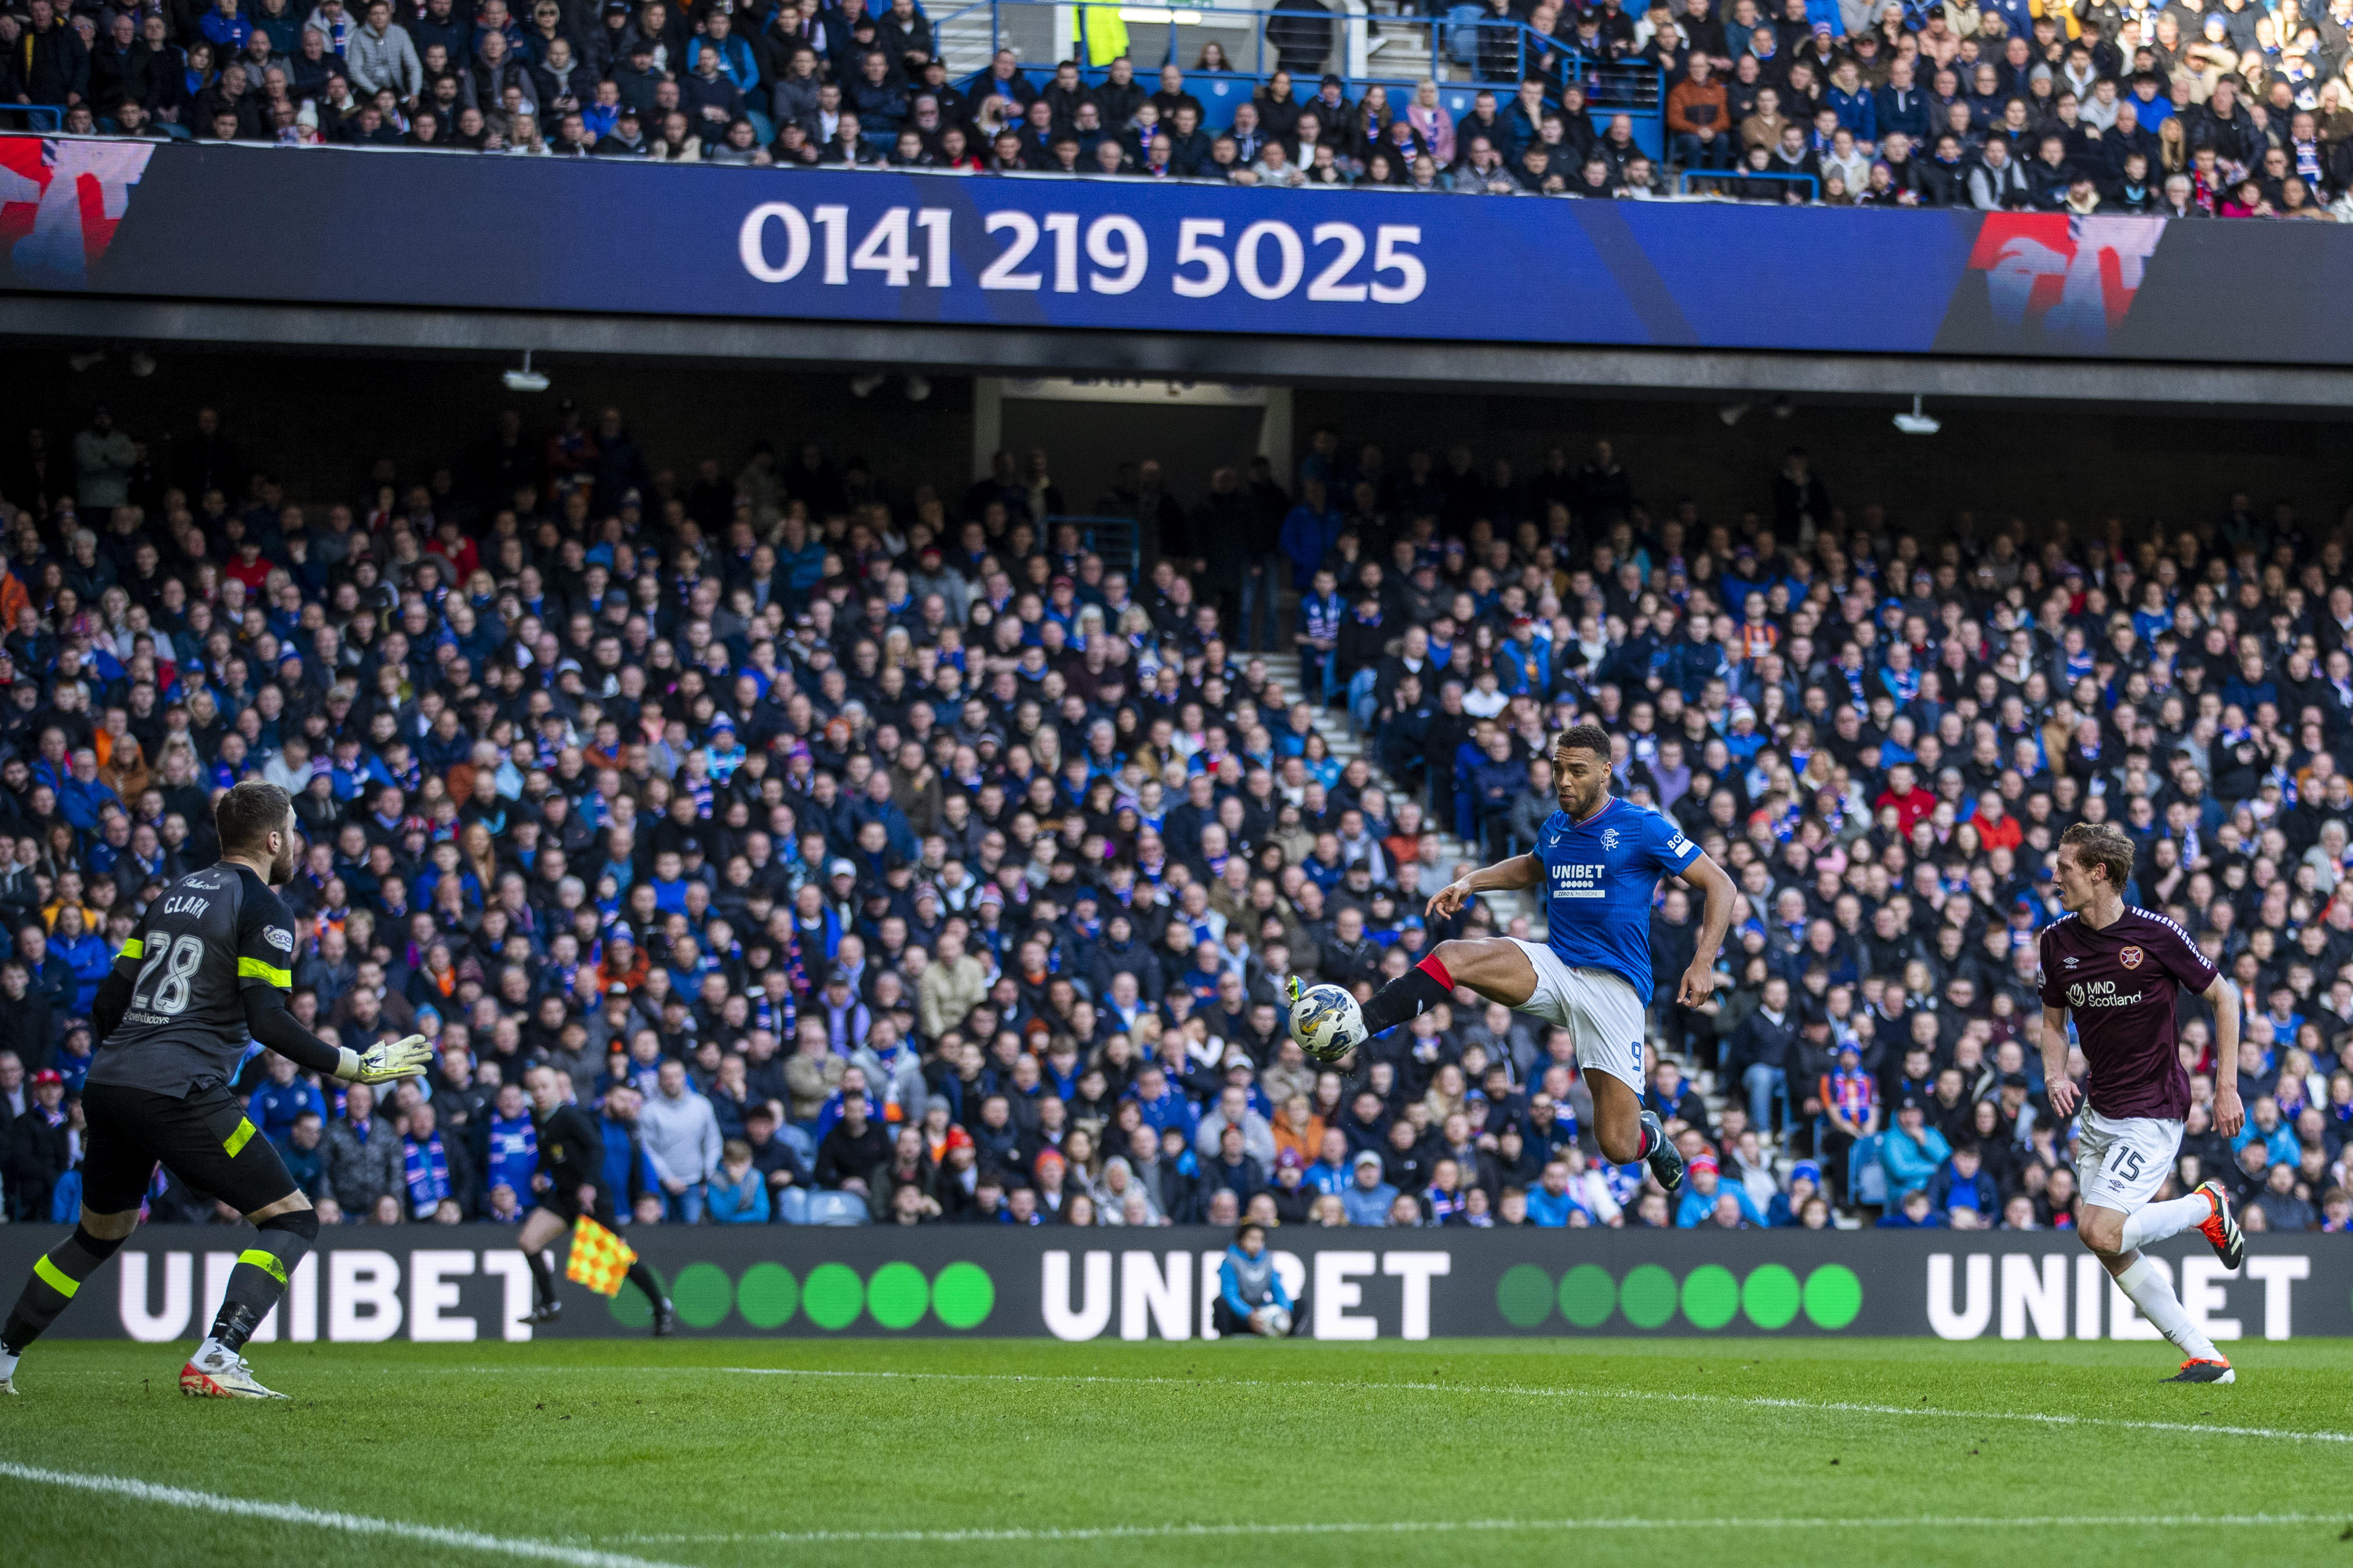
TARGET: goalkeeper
(209,966)
(570,1182)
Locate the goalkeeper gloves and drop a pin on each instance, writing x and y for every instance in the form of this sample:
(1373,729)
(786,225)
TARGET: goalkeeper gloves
(387,1060)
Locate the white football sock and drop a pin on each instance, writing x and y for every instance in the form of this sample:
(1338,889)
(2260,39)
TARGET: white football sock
(2155,1298)
(2156,1221)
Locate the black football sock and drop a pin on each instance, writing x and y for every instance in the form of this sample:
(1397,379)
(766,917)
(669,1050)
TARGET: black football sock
(1410,995)
(643,1279)
(58,1275)
(260,1275)
(542,1277)
(1652,1137)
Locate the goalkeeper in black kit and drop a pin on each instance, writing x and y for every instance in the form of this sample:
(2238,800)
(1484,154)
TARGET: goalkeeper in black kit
(211,964)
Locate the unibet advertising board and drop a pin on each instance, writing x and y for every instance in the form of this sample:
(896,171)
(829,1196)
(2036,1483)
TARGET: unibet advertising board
(431,1283)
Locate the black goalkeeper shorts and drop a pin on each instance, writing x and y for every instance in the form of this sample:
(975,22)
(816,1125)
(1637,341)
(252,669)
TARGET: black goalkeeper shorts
(205,1139)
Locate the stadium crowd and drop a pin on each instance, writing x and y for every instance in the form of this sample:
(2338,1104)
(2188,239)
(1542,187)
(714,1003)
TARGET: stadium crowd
(863,853)
(2191,109)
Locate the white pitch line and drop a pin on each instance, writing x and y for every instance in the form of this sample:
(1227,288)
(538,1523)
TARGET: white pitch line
(1526,1391)
(1450,1526)
(349,1523)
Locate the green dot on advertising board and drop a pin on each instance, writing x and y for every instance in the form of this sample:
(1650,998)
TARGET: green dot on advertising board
(768,1295)
(1587,1296)
(898,1295)
(630,1309)
(703,1293)
(1524,1296)
(1647,1297)
(1711,1295)
(1834,1296)
(963,1296)
(832,1296)
(1770,1297)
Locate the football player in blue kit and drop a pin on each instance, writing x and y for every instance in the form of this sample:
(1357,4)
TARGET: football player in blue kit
(1598,860)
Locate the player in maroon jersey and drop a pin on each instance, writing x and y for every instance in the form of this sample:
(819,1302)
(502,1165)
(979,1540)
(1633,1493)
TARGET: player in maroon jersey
(2118,969)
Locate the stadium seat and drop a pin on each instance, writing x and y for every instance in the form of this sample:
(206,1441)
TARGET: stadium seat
(1866,1177)
(837,1208)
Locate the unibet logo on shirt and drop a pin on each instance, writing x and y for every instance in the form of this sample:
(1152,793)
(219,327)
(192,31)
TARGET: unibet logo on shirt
(1576,881)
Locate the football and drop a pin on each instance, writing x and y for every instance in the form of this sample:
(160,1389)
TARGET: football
(1278,1323)
(1326,1022)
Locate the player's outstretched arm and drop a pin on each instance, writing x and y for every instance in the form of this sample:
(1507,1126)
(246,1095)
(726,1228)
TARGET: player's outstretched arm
(1710,879)
(114,1000)
(2230,1114)
(267,1016)
(2055,1081)
(1504,875)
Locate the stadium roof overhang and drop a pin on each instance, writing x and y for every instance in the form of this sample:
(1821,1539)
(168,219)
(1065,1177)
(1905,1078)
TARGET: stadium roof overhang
(1696,374)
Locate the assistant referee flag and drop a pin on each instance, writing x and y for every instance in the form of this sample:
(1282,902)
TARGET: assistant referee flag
(599,1259)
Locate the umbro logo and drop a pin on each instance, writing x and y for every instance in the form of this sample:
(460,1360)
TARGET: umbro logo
(2070,963)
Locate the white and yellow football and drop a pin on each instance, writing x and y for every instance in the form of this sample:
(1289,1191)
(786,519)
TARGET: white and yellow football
(1327,1021)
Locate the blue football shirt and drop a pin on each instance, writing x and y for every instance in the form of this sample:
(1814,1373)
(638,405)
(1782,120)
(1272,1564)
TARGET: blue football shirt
(1599,877)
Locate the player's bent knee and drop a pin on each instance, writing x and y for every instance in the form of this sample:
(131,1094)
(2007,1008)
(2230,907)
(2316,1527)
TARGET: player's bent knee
(302,1224)
(2102,1236)
(111,1227)
(1457,956)
(295,1202)
(99,1247)
(1493,966)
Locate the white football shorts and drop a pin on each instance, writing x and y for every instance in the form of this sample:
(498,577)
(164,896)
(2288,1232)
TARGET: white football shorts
(1597,1008)
(2121,1160)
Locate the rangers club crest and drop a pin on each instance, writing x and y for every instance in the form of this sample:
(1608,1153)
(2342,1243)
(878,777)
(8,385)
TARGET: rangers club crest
(60,204)
(2065,279)
(2129,957)
(1608,839)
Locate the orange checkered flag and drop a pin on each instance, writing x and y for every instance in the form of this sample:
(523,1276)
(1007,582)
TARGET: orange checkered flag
(598,1259)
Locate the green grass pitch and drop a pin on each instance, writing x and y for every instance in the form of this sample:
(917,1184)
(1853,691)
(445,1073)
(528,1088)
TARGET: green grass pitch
(617,1453)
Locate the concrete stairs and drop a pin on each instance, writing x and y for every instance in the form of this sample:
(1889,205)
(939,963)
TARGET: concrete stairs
(1445,857)
(965,42)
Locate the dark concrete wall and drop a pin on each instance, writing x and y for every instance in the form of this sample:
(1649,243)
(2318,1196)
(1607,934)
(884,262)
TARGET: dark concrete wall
(321,422)
(2035,463)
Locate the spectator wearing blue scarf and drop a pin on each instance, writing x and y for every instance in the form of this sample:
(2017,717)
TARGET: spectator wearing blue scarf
(436,1170)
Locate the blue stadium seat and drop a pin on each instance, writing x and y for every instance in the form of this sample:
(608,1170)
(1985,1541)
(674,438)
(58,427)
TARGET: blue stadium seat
(837,1208)
(1866,1177)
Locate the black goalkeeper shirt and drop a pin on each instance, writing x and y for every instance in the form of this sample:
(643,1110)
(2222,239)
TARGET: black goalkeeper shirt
(211,935)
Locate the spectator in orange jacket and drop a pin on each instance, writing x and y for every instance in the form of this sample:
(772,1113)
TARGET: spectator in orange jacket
(1997,829)
(1699,125)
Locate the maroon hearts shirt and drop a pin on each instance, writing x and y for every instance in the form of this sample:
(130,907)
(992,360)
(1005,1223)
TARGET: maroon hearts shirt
(2121,984)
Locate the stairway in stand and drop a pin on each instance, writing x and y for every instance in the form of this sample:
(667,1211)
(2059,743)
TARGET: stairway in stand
(1451,854)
